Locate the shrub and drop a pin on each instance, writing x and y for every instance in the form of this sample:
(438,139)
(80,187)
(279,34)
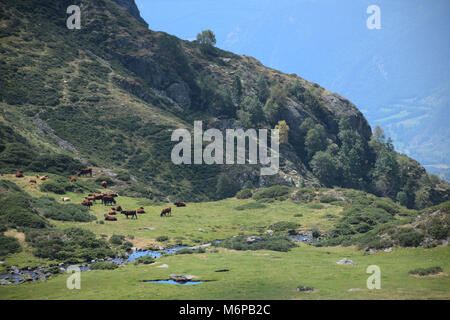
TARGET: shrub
(9,245)
(51,209)
(162,238)
(103,266)
(275,192)
(244,194)
(117,239)
(250,206)
(284,226)
(305,194)
(17,211)
(408,237)
(387,205)
(304,289)
(53,186)
(426,271)
(145,260)
(315,233)
(316,206)
(265,242)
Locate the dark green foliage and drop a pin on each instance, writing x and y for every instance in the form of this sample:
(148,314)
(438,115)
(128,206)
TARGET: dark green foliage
(226,187)
(145,260)
(284,226)
(61,185)
(17,210)
(275,243)
(104,266)
(51,209)
(305,194)
(9,245)
(408,237)
(162,238)
(73,245)
(191,251)
(250,206)
(117,239)
(274,192)
(244,194)
(426,271)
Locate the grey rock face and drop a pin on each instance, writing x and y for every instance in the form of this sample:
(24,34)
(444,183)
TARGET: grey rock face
(179,92)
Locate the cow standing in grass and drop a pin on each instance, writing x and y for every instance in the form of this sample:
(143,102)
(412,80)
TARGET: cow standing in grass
(85,172)
(131,213)
(166,211)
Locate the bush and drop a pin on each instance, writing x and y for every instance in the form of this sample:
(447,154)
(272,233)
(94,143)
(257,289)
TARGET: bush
(53,186)
(103,266)
(250,206)
(116,239)
(51,209)
(265,242)
(387,205)
(305,194)
(304,289)
(316,206)
(426,271)
(275,192)
(9,245)
(408,237)
(162,238)
(244,194)
(284,226)
(145,260)
(72,245)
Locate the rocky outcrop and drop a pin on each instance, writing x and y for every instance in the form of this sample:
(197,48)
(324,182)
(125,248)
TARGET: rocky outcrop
(132,8)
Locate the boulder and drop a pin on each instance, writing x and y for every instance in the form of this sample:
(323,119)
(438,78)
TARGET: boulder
(163,266)
(181,277)
(346,261)
(252,239)
(4,282)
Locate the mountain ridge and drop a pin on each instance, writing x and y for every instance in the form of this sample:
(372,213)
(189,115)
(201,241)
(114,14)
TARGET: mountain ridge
(114,91)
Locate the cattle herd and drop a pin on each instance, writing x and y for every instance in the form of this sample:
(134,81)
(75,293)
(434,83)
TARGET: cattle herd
(107,199)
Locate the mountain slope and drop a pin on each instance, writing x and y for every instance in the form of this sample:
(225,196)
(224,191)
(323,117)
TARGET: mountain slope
(110,94)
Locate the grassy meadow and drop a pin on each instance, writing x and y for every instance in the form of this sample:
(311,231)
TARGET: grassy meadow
(258,274)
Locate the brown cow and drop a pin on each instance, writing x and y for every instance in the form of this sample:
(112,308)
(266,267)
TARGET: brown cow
(118,208)
(87,203)
(166,211)
(112,212)
(73,179)
(109,218)
(19,174)
(104,184)
(131,213)
(140,210)
(33,181)
(85,172)
(43,178)
(180,204)
(107,200)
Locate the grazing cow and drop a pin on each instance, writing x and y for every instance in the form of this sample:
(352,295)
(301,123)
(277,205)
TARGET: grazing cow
(114,195)
(33,181)
(107,200)
(109,218)
(131,213)
(166,211)
(64,199)
(73,179)
(19,174)
(180,204)
(104,184)
(43,178)
(112,212)
(85,172)
(140,210)
(87,203)
(91,198)
(118,208)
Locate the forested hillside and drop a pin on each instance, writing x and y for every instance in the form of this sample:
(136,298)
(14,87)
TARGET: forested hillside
(110,94)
